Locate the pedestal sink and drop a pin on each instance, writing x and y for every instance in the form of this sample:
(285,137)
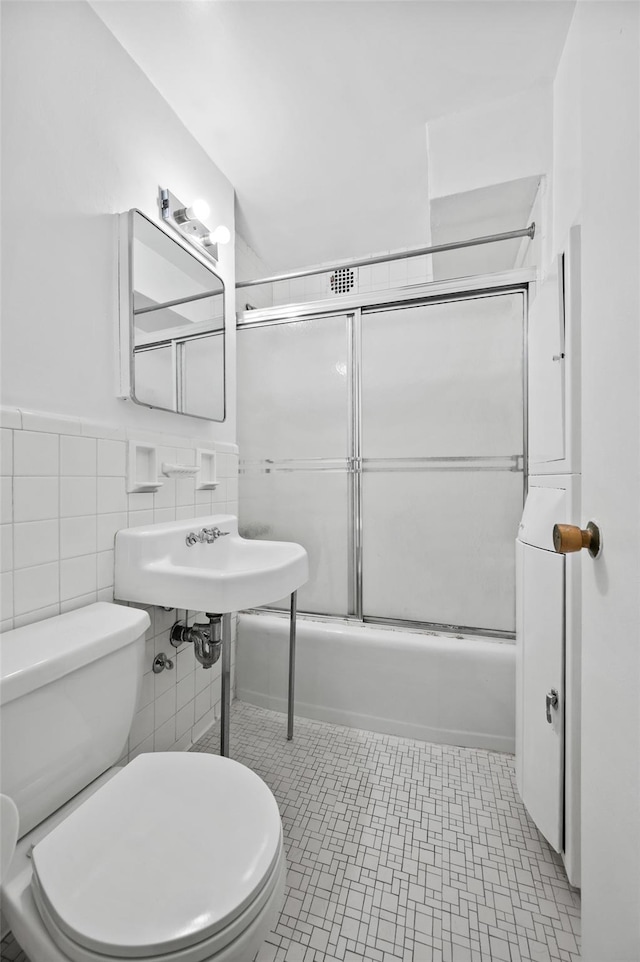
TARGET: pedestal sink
(202,564)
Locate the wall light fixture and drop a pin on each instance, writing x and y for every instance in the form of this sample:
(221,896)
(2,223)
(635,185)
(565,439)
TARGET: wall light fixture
(221,235)
(189,221)
(199,210)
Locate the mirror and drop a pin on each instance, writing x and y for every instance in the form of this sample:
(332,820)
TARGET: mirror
(172,323)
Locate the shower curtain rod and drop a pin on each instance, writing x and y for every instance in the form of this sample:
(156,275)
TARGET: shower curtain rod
(400,256)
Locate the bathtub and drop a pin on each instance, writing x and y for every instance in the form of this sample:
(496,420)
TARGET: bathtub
(437,688)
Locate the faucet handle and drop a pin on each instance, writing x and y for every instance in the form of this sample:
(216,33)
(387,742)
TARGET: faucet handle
(212,534)
(205,536)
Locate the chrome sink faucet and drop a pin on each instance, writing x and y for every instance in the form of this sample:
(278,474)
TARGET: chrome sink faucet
(205,536)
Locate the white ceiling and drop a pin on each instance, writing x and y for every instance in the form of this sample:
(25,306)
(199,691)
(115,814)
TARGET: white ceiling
(316,111)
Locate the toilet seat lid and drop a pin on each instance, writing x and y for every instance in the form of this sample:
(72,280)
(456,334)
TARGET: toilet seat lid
(163,856)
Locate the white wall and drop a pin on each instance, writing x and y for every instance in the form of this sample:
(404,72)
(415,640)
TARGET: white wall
(501,141)
(597,183)
(85,135)
(250,267)
(566,191)
(488,173)
(492,150)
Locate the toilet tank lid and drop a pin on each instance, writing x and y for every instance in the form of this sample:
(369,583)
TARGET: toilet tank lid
(41,653)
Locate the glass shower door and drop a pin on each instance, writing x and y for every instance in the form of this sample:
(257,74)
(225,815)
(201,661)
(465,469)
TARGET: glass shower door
(442,461)
(295,441)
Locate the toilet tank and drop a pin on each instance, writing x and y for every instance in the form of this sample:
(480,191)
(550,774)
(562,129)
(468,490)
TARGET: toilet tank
(68,691)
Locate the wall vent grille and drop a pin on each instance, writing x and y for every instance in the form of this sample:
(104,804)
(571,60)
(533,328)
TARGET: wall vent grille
(342,280)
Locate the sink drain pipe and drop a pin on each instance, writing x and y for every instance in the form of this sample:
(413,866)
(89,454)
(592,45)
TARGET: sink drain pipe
(210,642)
(206,639)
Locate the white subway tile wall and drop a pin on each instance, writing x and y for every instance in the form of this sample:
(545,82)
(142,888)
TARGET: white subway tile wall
(375,277)
(63,499)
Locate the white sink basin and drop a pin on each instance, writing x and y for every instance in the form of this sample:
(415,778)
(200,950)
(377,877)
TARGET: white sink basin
(155,566)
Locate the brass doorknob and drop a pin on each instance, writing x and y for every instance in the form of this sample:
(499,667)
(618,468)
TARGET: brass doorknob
(569,537)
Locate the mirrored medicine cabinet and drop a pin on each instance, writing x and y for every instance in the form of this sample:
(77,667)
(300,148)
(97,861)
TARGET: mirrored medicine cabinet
(172,336)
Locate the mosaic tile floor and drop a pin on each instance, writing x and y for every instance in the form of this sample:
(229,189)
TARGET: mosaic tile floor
(401,850)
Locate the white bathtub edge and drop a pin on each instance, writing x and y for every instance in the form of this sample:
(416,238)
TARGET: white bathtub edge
(385,726)
(453,691)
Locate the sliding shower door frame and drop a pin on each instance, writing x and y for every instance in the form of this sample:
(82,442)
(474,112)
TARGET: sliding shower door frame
(354,321)
(355,464)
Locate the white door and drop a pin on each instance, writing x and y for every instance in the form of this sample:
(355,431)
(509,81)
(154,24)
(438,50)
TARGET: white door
(608,55)
(540,738)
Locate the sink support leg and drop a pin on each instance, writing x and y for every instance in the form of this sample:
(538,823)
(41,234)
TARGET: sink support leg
(292,663)
(226,685)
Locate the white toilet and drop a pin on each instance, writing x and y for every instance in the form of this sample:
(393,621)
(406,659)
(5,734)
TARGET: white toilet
(177,857)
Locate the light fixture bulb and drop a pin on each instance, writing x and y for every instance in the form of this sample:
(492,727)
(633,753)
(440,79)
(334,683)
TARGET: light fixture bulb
(199,210)
(221,235)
